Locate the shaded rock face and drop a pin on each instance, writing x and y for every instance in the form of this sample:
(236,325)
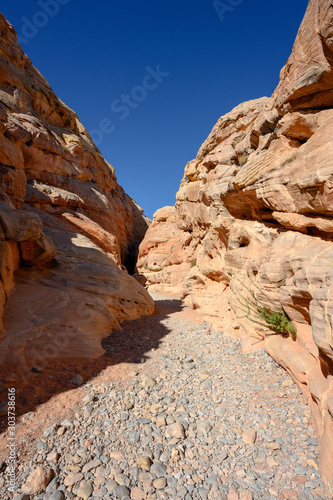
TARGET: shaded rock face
(66,227)
(254,209)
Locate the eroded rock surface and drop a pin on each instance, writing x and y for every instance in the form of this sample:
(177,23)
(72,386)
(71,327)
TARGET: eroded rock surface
(255,209)
(67,229)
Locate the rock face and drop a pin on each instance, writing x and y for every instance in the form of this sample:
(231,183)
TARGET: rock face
(66,227)
(254,212)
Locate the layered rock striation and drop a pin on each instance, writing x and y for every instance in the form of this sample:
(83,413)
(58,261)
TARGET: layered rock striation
(67,228)
(255,212)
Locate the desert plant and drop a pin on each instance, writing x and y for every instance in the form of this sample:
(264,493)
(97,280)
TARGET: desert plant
(275,320)
(242,159)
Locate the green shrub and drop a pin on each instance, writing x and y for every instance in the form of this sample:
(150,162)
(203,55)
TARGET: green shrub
(257,312)
(242,159)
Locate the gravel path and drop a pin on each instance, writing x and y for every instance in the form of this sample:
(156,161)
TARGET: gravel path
(196,419)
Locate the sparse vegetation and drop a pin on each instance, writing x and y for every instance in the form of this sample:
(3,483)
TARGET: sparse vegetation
(242,159)
(238,140)
(275,320)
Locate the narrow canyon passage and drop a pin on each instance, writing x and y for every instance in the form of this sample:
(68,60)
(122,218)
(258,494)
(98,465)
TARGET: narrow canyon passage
(178,414)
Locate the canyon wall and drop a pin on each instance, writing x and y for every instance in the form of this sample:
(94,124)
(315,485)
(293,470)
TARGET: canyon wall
(66,227)
(254,215)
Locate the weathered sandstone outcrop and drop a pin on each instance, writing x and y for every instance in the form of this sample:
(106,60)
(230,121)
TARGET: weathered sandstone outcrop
(254,211)
(67,229)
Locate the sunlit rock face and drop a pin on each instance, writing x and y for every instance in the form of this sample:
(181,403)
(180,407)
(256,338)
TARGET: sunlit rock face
(254,209)
(66,227)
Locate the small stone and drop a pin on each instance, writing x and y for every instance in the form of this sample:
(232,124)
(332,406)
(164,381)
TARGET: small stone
(93,464)
(53,456)
(133,437)
(312,463)
(144,462)
(67,423)
(89,398)
(271,462)
(289,494)
(160,483)
(178,431)
(50,431)
(121,492)
(41,445)
(122,479)
(35,369)
(160,422)
(203,492)
(74,468)
(233,495)
(287,382)
(76,380)
(117,455)
(147,381)
(204,427)
(23,496)
(73,478)
(111,485)
(274,446)
(85,490)
(37,481)
(245,495)
(249,436)
(138,494)
(165,456)
(57,495)
(220,411)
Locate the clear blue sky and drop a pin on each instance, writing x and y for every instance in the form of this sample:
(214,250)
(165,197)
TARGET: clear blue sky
(95,54)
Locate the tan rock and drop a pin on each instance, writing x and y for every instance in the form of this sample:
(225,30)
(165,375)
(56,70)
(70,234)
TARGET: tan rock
(178,431)
(118,455)
(37,481)
(249,436)
(271,462)
(53,456)
(147,381)
(245,495)
(160,422)
(73,478)
(138,494)
(85,490)
(160,483)
(144,462)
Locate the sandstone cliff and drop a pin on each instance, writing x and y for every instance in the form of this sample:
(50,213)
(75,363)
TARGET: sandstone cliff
(66,227)
(256,206)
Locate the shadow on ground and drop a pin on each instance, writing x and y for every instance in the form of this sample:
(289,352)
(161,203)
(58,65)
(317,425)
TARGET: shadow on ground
(129,345)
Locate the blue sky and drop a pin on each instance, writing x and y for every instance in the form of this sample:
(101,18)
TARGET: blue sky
(149,79)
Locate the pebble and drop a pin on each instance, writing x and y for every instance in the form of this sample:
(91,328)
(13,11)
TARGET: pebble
(85,490)
(37,481)
(144,462)
(57,495)
(249,436)
(76,380)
